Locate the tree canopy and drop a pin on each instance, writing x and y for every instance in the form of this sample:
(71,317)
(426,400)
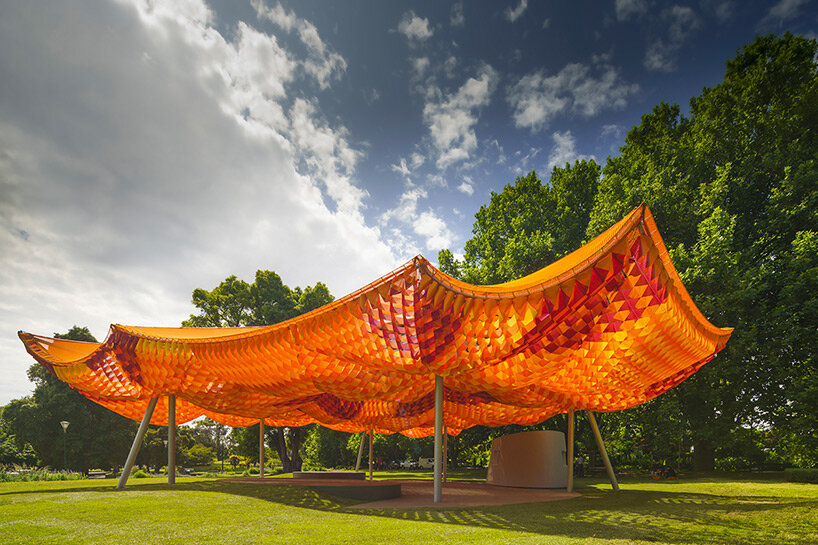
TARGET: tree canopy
(733,187)
(266,301)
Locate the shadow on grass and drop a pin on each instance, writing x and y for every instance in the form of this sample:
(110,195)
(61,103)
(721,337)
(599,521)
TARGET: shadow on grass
(651,516)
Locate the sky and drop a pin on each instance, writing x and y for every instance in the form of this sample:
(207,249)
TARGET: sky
(148,148)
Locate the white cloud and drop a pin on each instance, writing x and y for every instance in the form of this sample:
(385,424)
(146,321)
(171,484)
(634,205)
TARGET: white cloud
(662,53)
(322,63)
(512,14)
(564,150)
(521,162)
(466,188)
(723,10)
(437,233)
(782,11)
(451,119)
(417,160)
(457,18)
(406,210)
(414,28)
(139,163)
(536,98)
(401,168)
(406,216)
(420,65)
(625,9)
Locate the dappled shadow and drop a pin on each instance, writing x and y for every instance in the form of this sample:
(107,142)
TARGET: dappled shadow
(667,516)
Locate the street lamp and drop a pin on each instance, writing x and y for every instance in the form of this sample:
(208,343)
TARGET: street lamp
(64,424)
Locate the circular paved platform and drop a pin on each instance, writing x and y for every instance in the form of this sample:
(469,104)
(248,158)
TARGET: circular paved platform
(419,493)
(465,494)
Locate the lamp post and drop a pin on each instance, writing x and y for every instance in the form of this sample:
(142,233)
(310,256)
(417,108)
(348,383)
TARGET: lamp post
(64,424)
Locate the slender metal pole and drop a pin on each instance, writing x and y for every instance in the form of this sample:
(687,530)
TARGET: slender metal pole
(261,453)
(137,442)
(601,444)
(438,494)
(371,438)
(171,439)
(569,454)
(360,452)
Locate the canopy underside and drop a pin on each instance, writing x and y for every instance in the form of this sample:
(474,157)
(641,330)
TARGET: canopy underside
(605,328)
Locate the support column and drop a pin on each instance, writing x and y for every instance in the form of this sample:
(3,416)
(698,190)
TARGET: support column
(360,452)
(438,485)
(261,460)
(569,451)
(601,445)
(371,439)
(171,439)
(137,442)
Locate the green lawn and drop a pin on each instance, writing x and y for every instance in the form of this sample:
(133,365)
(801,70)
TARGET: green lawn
(751,509)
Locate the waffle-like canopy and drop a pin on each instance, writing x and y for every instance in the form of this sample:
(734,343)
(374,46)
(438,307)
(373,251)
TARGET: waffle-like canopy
(605,328)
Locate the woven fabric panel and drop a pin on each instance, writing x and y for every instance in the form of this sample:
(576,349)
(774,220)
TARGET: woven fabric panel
(606,328)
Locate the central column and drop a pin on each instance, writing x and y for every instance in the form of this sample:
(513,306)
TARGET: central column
(171,439)
(438,439)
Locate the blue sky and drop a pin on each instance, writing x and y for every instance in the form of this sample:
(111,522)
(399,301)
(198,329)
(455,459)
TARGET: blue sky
(149,148)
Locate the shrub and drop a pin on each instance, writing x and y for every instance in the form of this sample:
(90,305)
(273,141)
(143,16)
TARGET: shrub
(38,475)
(139,474)
(733,463)
(803,476)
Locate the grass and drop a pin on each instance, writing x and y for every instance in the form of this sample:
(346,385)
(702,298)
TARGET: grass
(741,508)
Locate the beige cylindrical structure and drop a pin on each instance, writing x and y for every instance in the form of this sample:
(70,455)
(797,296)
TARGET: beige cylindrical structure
(533,459)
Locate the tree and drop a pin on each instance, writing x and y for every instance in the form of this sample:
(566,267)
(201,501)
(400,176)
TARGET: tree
(527,225)
(733,187)
(264,302)
(733,190)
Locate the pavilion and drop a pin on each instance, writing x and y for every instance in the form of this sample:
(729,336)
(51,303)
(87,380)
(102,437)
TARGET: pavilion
(605,328)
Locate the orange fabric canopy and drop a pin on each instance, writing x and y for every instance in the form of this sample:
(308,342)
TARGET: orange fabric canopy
(605,328)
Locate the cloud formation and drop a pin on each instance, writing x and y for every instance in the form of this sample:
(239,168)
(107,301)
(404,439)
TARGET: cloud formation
(414,28)
(627,9)
(537,98)
(451,118)
(564,150)
(662,53)
(160,157)
(782,11)
(512,14)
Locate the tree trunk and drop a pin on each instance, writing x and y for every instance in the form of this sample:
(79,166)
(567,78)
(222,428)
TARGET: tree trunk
(281,449)
(704,456)
(288,445)
(296,434)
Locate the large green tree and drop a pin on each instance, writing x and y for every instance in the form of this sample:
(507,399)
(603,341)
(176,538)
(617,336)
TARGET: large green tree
(733,190)
(266,301)
(527,225)
(733,186)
